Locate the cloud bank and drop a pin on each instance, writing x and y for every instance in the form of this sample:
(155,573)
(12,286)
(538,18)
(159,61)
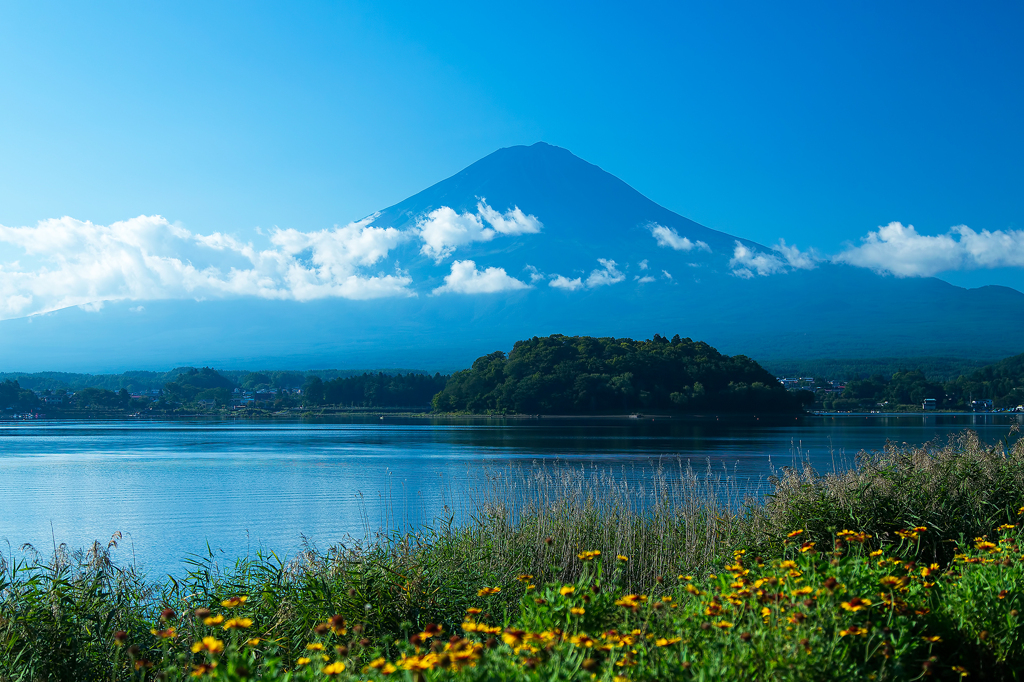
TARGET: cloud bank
(900,250)
(66,262)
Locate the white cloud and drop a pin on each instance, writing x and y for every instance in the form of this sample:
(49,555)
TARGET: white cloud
(902,251)
(535,274)
(607,274)
(137,309)
(466,279)
(560,282)
(647,279)
(745,262)
(443,230)
(806,260)
(643,264)
(667,236)
(666,273)
(66,262)
(512,222)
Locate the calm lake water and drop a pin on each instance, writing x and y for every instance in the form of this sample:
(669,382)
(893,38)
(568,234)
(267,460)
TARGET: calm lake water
(173,487)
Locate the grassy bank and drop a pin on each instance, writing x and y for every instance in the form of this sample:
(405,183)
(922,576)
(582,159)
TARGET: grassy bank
(563,576)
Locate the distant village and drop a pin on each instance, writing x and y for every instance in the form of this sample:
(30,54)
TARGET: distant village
(827,392)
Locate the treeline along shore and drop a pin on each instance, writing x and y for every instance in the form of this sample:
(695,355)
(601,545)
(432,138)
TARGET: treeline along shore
(908,566)
(554,375)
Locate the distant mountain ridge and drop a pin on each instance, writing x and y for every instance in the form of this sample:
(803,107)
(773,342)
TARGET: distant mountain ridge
(590,255)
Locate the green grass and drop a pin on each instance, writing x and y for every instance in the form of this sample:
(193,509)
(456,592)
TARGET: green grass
(58,618)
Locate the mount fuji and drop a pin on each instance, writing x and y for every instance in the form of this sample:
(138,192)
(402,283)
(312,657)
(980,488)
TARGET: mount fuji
(528,241)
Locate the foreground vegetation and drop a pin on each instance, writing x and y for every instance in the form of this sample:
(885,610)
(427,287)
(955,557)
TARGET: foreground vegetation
(908,566)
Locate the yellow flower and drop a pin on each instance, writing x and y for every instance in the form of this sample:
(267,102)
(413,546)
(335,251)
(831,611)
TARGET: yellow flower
(213,620)
(234,601)
(985,545)
(589,555)
(960,669)
(512,637)
(253,642)
(303,660)
(577,611)
(169,633)
(620,557)
(920,529)
(1007,526)
(807,547)
(524,577)
(487,591)
(200,669)
(800,591)
(877,552)
(472,610)
(856,604)
(315,646)
(582,640)
(335,668)
(890,581)
(724,624)
(853,630)
(795,533)
(211,644)
(667,641)
(237,623)
(687,578)
(788,564)
(378,663)
(567,589)
(934,639)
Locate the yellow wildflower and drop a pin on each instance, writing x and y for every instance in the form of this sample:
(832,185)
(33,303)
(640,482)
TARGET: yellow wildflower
(211,644)
(234,623)
(856,604)
(335,668)
(232,602)
(213,620)
(487,591)
(566,590)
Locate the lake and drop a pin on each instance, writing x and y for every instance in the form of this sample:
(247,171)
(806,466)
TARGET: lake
(173,488)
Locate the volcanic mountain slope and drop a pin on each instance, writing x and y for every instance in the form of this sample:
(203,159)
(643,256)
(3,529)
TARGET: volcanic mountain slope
(526,242)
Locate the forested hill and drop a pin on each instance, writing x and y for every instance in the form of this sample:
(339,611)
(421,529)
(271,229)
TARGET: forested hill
(586,375)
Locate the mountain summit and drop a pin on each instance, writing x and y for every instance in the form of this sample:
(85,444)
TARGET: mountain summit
(528,241)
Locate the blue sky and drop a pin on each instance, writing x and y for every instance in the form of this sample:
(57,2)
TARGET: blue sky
(813,122)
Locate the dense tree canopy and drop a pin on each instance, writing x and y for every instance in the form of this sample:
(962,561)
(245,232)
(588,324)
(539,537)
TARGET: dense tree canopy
(375,390)
(199,383)
(586,375)
(13,396)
